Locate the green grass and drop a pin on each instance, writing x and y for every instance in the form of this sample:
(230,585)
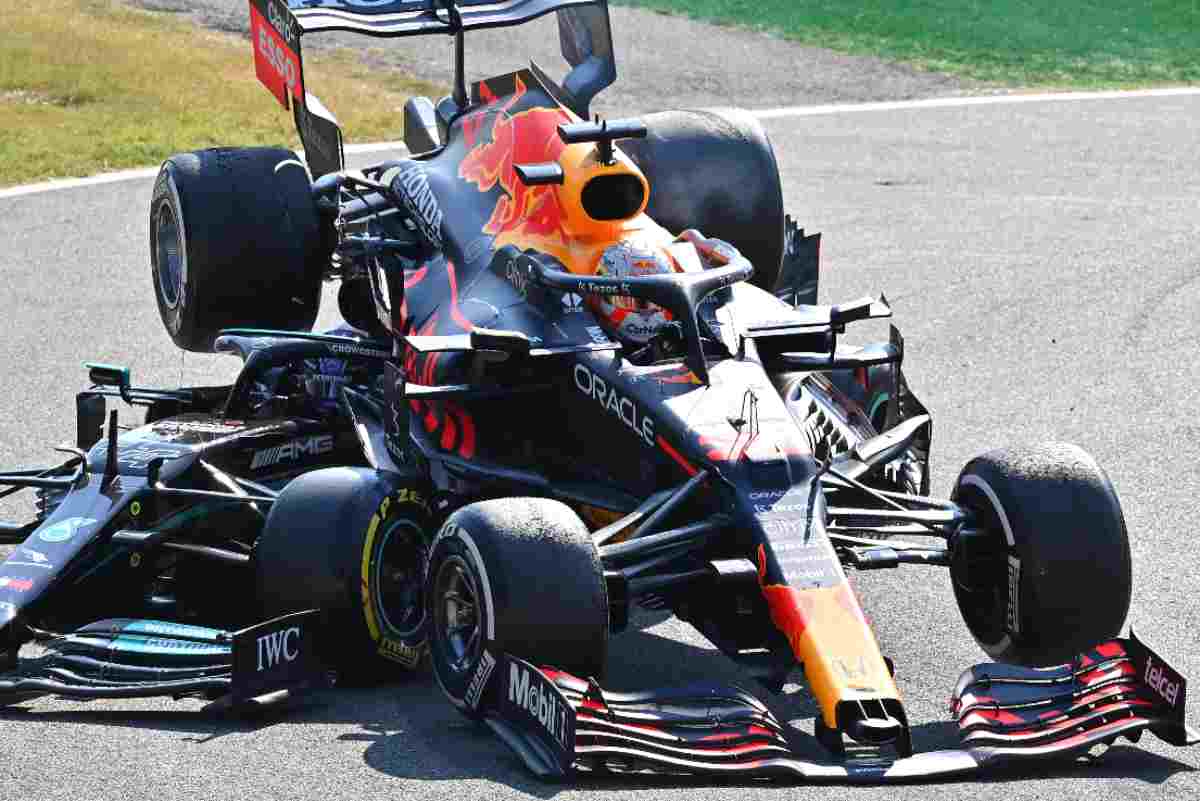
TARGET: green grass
(88,86)
(1069,43)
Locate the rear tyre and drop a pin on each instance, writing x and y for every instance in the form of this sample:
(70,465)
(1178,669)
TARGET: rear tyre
(1050,574)
(518,575)
(351,542)
(714,170)
(235,240)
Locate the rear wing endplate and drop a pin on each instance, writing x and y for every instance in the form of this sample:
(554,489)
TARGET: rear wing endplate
(275,37)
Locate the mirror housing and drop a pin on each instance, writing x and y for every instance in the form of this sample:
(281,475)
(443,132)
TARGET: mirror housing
(421,133)
(109,375)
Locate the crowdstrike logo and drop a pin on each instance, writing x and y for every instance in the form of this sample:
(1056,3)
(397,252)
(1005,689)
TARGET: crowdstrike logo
(359,350)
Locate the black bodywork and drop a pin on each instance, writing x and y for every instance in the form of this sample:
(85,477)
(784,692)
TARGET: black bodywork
(137,531)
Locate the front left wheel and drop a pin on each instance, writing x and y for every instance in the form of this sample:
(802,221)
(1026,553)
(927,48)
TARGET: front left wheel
(519,576)
(351,542)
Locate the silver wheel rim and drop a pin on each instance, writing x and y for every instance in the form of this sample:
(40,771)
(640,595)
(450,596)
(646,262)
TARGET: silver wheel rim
(169,253)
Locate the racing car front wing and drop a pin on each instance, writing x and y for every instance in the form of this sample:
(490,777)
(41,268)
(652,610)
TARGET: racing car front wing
(126,658)
(563,726)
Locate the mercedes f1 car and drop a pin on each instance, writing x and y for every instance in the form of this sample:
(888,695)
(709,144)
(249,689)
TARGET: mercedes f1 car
(585,370)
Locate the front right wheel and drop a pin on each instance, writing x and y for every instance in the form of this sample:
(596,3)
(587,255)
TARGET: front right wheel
(1046,573)
(519,576)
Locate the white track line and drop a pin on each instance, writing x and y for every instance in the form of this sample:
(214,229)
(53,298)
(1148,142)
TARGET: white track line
(980,100)
(150,172)
(764,114)
(74,183)
(374,147)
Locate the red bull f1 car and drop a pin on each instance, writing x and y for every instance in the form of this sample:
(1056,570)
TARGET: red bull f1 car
(584,370)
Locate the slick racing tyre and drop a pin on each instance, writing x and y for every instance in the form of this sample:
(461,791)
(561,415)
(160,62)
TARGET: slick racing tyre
(235,240)
(351,542)
(714,170)
(1049,573)
(520,576)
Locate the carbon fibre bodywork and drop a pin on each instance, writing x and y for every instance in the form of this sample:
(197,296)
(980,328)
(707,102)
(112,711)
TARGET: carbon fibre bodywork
(132,533)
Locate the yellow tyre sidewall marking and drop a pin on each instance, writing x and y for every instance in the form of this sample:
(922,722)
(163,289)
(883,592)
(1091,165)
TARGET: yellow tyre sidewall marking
(368,549)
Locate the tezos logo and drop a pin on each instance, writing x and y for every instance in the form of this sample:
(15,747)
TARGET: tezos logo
(619,406)
(292,451)
(593,288)
(278,647)
(1157,678)
(782,508)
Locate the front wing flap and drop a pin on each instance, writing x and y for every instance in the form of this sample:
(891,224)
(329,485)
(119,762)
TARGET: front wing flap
(128,658)
(1120,687)
(563,726)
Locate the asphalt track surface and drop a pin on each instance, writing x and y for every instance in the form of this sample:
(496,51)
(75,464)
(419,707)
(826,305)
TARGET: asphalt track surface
(1044,264)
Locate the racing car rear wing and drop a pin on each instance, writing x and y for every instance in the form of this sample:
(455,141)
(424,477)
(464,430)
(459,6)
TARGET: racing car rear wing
(276,27)
(393,18)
